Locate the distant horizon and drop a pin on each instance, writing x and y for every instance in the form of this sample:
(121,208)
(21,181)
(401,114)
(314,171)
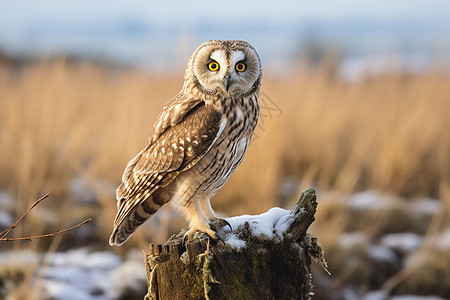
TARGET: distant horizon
(160,36)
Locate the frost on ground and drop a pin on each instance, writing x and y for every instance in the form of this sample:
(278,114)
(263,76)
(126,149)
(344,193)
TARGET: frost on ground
(7,205)
(271,225)
(404,243)
(395,242)
(383,295)
(413,297)
(82,273)
(5,219)
(381,237)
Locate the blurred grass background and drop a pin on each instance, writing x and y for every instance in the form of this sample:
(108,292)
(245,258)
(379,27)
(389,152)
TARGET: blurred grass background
(355,102)
(64,123)
(70,127)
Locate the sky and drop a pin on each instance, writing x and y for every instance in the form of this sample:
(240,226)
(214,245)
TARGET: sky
(157,34)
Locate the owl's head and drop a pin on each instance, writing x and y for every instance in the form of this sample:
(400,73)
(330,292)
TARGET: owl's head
(228,68)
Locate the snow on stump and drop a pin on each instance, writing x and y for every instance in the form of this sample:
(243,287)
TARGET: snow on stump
(266,256)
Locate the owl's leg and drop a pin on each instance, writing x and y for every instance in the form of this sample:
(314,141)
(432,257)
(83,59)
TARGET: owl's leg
(198,222)
(207,209)
(209,212)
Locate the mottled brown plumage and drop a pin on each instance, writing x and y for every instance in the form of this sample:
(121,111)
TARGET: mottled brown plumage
(197,142)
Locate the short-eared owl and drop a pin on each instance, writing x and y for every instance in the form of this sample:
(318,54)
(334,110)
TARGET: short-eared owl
(197,142)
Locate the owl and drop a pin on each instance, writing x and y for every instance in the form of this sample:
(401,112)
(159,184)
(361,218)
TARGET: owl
(197,142)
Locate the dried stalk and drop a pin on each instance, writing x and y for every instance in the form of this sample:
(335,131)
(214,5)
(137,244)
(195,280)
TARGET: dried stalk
(3,235)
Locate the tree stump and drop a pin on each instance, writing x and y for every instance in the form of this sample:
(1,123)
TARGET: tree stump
(267,256)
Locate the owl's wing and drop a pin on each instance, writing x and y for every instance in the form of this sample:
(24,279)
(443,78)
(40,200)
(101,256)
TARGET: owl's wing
(182,135)
(172,114)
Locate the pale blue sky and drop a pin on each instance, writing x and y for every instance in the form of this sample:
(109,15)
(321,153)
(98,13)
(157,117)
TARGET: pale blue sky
(138,31)
(23,11)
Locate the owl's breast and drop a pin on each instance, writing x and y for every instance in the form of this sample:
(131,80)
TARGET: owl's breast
(214,169)
(230,148)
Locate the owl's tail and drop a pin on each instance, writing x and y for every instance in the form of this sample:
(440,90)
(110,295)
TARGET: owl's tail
(129,218)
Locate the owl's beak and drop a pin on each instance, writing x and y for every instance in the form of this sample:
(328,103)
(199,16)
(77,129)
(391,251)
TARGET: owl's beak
(228,82)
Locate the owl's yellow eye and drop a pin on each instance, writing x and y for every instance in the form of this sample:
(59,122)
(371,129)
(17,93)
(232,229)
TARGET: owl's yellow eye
(240,67)
(213,66)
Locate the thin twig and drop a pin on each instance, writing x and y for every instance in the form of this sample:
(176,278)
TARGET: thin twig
(29,238)
(5,232)
(3,235)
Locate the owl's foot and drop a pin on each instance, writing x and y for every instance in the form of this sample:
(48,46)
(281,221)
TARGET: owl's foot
(201,227)
(205,229)
(186,239)
(219,223)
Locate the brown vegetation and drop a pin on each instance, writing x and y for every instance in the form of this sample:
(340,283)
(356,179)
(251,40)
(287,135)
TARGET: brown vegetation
(60,121)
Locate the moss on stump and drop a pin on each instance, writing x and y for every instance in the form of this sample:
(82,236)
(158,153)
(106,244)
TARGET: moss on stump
(265,268)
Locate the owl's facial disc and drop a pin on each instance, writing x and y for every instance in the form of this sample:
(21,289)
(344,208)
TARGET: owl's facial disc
(225,71)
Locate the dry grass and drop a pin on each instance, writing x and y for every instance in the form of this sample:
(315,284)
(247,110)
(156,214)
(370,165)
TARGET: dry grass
(59,120)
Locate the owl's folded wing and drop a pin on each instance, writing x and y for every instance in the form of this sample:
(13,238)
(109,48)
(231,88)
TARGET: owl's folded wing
(175,149)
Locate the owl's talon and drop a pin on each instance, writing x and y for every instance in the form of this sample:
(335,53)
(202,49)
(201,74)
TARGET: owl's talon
(184,242)
(219,223)
(219,238)
(228,224)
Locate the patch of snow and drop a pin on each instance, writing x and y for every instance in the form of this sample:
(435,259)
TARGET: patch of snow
(402,242)
(5,219)
(284,223)
(377,253)
(6,201)
(82,274)
(130,275)
(71,257)
(82,258)
(101,261)
(73,275)
(375,295)
(264,224)
(349,293)
(382,254)
(413,297)
(269,225)
(233,241)
(370,200)
(64,290)
(19,257)
(81,190)
(426,207)
(353,239)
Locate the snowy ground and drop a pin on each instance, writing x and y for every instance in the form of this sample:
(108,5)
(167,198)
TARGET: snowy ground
(384,240)
(83,273)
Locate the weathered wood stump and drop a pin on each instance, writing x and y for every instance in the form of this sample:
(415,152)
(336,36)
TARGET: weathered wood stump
(264,257)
